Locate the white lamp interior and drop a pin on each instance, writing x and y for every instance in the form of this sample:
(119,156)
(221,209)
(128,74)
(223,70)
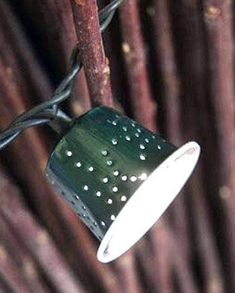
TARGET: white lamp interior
(149,202)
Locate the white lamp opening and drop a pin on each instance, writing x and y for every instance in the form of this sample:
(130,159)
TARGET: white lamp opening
(149,202)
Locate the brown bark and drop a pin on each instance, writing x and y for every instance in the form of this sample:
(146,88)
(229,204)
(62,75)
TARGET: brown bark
(219,32)
(170,78)
(54,25)
(171,91)
(35,239)
(21,258)
(212,272)
(178,53)
(134,53)
(91,51)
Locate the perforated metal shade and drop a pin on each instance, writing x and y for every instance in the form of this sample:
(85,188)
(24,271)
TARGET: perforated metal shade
(118,176)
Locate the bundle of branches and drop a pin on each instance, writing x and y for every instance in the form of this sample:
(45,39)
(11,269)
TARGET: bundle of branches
(167,64)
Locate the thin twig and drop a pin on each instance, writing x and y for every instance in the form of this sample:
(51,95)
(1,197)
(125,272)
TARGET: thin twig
(144,108)
(220,45)
(91,51)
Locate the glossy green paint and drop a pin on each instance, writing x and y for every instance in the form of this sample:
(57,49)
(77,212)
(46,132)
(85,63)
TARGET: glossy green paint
(101,161)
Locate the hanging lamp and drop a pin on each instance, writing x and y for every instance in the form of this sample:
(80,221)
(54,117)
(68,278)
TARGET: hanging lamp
(118,176)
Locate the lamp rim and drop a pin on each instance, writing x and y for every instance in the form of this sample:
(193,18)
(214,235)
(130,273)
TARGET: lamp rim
(190,148)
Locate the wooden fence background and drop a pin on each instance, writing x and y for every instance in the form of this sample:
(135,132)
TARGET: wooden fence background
(168,64)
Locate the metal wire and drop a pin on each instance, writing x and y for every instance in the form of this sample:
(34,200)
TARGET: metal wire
(49,112)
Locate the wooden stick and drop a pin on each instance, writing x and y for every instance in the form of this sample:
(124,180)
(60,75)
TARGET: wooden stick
(149,278)
(43,251)
(218,25)
(53,23)
(11,274)
(171,92)
(125,268)
(91,51)
(219,34)
(21,259)
(207,252)
(167,67)
(17,53)
(161,251)
(56,38)
(181,267)
(36,240)
(144,108)
(103,275)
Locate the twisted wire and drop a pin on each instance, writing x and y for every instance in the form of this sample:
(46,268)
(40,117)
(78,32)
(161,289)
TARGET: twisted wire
(49,111)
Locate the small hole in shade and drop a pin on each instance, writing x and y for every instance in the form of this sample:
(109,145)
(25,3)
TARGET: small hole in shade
(104,153)
(85,187)
(69,153)
(128,138)
(114,123)
(142,157)
(112,217)
(124,128)
(133,178)
(76,196)
(103,223)
(98,193)
(143,176)
(114,141)
(109,163)
(159,147)
(147,140)
(124,178)
(142,147)
(116,173)
(123,198)
(137,134)
(115,189)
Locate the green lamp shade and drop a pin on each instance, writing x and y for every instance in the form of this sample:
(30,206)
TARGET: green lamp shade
(118,176)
